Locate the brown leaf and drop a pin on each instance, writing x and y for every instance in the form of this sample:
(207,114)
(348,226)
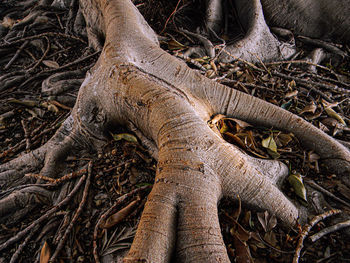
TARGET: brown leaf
(292,94)
(311,108)
(330,122)
(240,123)
(270,237)
(344,190)
(239,231)
(331,113)
(27,103)
(51,63)
(242,251)
(121,214)
(285,138)
(235,139)
(237,212)
(313,116)
(45,253)
(216,119)
(8,22)
(292,84)
(267,221)
(175,45)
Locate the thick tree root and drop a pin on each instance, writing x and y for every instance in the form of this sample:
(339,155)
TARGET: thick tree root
(259,44)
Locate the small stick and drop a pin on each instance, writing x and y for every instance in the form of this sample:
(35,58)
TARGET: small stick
(302,62)
(338,82)
(313,83)
(76,215)
(44,217)
(51,34)
(172,14)
(326,192)
(226,81)
(242,60)
(307,228)
(60,180)
(208,46)
(41,177)
(42,57)
(327,46)
(26,134)
(308,84)
(329,230)
(62,226)
(17,54)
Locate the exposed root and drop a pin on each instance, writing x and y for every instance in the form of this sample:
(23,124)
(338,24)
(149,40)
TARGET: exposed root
(44,217)
(259,43)
(60,82)
(28,198)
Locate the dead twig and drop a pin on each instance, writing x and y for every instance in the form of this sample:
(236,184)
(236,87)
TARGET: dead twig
(171,15)
(16,55)
(244,61)
(323,44)
(26,134)
(329,230)
(326,192)
(60,180)
(302,62)
(307,84)
(42,57)
(76,215)
(64,224)
(307,228)
(49,72)
(47,34)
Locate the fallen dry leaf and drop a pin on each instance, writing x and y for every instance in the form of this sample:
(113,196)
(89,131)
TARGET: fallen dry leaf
(45,253)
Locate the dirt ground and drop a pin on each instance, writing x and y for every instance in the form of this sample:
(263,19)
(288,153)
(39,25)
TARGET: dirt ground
(33,49)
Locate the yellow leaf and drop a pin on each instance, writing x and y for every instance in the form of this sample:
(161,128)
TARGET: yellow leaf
(311,108)
(285,138)
(223,128)
(175,45)
(292,94)
(45,253)
(269,143)
(331,113)
(296,181)
(124,136)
